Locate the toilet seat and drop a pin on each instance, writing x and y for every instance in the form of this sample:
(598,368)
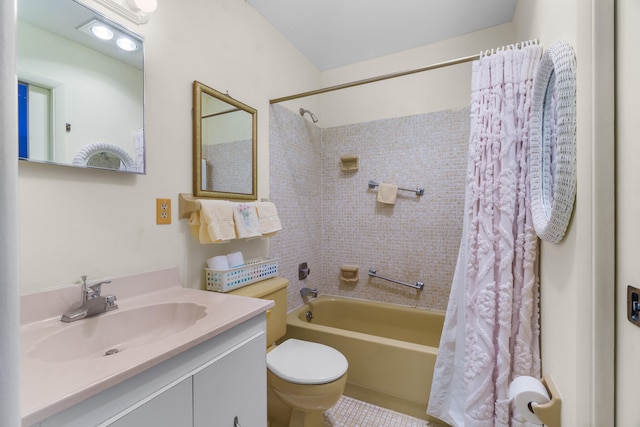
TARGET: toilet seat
(304,362)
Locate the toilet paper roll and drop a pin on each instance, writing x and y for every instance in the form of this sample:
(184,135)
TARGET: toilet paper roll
(235,259)
(218,263)
(525,390)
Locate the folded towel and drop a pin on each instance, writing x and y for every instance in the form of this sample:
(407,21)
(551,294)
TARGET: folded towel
(387,193)
(216,221)
(246,220)
(235,259)
(194,224)
(220,263)
(268,216)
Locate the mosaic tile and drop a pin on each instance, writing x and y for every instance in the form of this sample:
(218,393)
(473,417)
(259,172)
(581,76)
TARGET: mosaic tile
(331,217)
(349,412)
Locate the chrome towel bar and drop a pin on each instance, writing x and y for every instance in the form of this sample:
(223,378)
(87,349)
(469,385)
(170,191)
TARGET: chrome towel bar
(418,285)
(418,191)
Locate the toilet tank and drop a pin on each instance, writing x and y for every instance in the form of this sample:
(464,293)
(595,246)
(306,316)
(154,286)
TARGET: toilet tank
(274,289)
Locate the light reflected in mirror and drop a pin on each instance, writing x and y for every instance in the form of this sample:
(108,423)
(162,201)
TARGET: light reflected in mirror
(77,91)
(224,146)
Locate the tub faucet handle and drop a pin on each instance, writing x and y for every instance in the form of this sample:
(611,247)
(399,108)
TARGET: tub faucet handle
(303,271)
(308,291)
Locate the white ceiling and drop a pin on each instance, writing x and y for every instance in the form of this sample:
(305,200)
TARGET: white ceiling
(334,33)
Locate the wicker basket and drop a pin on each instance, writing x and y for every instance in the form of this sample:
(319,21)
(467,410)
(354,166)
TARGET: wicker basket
(252,271)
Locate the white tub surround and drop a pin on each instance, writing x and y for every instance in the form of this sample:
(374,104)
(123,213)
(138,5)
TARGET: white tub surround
(50,386)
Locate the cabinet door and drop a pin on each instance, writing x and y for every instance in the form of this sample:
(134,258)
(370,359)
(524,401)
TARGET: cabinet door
(235,385)
(171,408)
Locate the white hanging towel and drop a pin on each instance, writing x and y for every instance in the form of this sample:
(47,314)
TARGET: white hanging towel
(214,221)
(270,223)
(246,220)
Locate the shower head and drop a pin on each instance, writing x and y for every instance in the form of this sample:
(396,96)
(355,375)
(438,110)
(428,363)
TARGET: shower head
(313,116)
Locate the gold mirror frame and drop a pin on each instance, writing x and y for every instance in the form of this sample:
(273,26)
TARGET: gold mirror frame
(234,105)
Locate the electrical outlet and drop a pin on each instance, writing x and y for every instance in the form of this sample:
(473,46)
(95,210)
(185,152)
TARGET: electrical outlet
(163,211)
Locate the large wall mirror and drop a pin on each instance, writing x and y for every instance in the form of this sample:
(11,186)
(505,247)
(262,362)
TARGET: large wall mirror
(81,88)
(224,146)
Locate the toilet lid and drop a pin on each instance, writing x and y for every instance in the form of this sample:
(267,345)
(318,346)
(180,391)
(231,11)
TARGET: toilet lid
(304,362)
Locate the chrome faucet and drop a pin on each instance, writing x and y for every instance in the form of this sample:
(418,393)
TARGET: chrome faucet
(308,291)
(92,302)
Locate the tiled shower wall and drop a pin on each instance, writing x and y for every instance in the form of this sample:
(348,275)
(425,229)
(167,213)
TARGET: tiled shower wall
(295,181)
(227,166)
(332,218)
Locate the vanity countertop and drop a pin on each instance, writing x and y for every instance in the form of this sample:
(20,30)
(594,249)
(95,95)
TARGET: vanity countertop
(49,386)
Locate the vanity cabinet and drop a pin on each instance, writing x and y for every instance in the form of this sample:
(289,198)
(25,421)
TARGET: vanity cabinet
(172,407)
(232,388)
(212,384)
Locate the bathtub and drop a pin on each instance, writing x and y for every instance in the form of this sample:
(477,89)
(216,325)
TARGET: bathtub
(391,349)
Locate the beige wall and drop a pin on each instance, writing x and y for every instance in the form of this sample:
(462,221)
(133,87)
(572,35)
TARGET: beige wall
(627,207)
(99,223)
(577,274)
(436,90)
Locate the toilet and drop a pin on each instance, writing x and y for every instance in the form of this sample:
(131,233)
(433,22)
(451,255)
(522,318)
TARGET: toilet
(304,378)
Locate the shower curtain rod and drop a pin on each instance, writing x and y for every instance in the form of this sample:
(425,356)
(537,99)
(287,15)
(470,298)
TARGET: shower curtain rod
(457,61)
(376,79)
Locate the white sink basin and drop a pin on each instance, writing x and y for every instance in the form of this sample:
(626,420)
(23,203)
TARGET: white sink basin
(117,331)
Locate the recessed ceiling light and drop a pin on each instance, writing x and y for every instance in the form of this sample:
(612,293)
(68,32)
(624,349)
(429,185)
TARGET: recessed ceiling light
(126,44)
(101,31)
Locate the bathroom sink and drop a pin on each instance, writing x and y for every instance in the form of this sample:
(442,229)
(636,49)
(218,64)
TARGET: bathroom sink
(117,331)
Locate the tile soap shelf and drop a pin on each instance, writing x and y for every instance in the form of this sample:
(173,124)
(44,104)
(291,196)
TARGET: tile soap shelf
(349,163)
(349,273)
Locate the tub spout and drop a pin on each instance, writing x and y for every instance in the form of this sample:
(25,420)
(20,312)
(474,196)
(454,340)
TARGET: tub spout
(308,291)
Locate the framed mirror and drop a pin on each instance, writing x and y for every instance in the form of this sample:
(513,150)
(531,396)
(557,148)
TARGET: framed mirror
(224,146)
(81,86)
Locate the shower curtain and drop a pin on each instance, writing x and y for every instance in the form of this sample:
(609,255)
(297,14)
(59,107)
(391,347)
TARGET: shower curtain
(491,328)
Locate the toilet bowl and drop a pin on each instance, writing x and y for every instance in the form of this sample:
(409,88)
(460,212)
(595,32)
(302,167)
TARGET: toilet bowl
(304,378)
(308,378)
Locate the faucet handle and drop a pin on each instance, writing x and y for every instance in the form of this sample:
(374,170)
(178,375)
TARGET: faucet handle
(97,287)
(110,303)
(92,291)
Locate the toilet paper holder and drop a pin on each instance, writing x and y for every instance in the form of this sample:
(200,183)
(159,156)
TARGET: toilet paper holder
(549,413)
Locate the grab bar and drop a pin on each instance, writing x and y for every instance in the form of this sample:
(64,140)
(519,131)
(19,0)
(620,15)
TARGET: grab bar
(418,191)
(418,285)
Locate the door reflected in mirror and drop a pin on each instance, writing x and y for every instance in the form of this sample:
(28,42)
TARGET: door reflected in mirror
(224,146)
(77,89)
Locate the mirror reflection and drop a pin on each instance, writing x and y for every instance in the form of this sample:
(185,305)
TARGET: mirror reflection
(224,138)
(80,87)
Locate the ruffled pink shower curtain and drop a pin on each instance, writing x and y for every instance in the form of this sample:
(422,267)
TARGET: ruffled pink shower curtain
(491,330)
